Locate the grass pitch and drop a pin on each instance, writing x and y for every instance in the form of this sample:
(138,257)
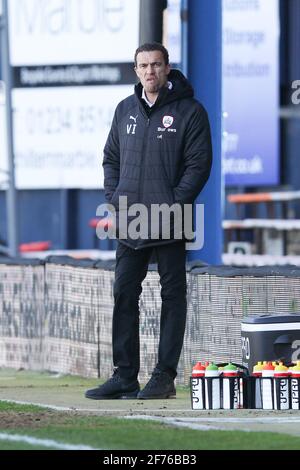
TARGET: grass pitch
(93,428)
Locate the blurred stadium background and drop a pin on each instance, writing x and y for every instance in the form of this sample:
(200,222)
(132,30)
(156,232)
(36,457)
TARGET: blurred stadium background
(71,63)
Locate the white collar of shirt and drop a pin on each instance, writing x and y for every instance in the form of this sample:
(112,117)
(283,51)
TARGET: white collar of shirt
(144,96)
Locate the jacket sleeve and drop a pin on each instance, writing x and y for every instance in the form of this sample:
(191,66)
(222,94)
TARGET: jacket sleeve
(111,160)
(197,156)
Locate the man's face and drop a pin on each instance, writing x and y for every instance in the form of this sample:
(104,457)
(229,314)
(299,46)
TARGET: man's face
(152,70)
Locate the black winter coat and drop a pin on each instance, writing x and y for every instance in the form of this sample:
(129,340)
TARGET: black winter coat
(158,155)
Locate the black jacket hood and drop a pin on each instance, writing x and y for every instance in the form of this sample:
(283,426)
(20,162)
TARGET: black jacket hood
(182,89)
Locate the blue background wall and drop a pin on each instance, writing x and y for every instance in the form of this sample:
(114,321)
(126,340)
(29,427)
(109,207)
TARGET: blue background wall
(205,74)
(43,215)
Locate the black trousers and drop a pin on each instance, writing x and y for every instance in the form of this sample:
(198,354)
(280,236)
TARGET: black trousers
(131,269)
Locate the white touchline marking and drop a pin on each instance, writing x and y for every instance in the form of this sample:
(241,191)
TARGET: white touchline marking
(175,422)
(88,410)
(257,419)
(195,423)
(42,442)
(179,420)
(221,419)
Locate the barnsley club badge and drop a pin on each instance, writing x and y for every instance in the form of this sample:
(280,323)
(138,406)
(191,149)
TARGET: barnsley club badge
(168,121)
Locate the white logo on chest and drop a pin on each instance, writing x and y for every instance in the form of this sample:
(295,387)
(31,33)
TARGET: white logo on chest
(168,121)
(132,127)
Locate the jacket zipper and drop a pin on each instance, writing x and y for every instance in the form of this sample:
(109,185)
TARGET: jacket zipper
(144,149)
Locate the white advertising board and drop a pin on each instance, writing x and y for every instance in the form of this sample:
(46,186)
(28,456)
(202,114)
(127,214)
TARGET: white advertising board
(60,134)
(72,64)
(251,92)
(3,141)
(53,32)
(172,28)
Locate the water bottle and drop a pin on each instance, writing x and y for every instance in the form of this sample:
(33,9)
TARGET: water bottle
(198,370)
(257,373)
(212,388)
(268,386)
(281,387)
(198,390)
(231,398)
(295,386)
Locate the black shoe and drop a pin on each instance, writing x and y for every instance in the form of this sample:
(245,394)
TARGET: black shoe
(160,386)
(114,388)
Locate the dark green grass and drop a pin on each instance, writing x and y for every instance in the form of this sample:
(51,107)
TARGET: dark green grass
(15,407)
(21,446)
(111,433)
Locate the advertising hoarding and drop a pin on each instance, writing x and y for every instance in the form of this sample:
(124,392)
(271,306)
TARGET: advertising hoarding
(3,141)
(60,134)
(72,63)
(251,92)
(172,31)
(49,32)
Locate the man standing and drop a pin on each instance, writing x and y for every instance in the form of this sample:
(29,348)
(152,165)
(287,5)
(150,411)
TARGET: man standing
(158,152)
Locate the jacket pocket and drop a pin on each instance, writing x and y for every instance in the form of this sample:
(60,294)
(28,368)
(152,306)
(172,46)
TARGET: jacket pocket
(168,178)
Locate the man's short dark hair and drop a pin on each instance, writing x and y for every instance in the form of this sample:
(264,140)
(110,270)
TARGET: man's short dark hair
(150,47)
